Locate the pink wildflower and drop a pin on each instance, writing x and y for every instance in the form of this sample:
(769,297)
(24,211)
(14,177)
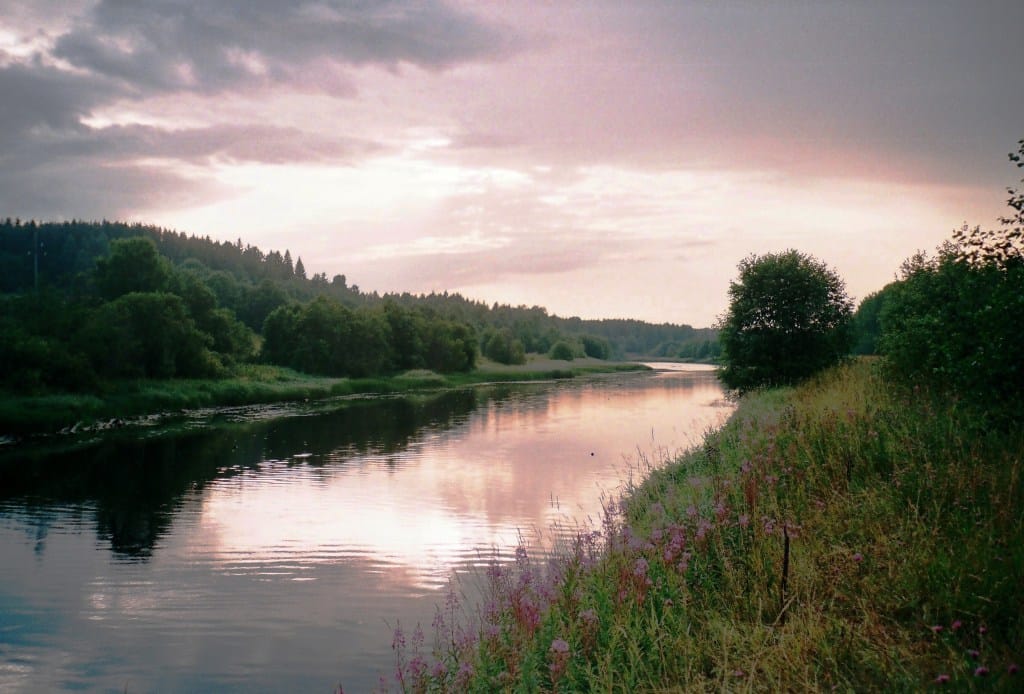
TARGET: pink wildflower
(559,646)
(1013,669)
(858,557)
(956,625)
(942,679)
(559,652)
(936,629)
(981,671)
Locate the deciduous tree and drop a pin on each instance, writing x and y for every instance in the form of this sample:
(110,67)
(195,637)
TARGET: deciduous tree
(789,317)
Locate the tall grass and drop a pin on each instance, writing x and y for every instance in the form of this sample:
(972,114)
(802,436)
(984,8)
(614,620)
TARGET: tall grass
(836,536)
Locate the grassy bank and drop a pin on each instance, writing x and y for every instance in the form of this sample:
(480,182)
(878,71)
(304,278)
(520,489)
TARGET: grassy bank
(253,384)
(837,536)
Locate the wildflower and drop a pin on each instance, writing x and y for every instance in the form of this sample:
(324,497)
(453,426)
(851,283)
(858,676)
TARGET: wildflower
(691,511)
(640,568)
(559,646)
(974,653)
(1013,669)
(858,557)
(417,667)
(983,630)
(559,652)
(738,673)
(398,642)
(981,671)
(589,616)
(438,670)
(684,563)
(936,628)
(744,520)
(942,679)
(464,674)
(955,625)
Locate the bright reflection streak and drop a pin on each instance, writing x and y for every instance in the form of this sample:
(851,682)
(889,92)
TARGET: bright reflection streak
(453,497)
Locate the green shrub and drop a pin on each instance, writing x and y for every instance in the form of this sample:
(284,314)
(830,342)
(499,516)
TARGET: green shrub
(789,317)
(562,351)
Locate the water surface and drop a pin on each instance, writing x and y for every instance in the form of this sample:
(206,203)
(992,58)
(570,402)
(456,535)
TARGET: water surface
(277,553)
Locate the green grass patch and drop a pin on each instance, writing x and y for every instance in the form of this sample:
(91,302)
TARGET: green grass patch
(832,536)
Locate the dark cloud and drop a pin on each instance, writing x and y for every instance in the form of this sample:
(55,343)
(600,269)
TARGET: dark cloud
(934,84)
(90,189)
(53,165)
(41,99)
(182,45)
(126,50)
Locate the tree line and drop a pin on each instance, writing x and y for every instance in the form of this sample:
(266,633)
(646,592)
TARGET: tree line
(86,301)
(949,326)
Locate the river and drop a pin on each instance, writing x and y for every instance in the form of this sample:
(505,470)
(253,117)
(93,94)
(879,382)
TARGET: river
(274,549)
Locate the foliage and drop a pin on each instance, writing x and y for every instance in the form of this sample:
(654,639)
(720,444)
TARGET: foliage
(326,337)
(867,321)
(788,318)
(839,536)
(147,335)
(701,350)
(503,346)
(563,351)
(953,323)
(949,327)
(133,265)
(229,291)
(596,347)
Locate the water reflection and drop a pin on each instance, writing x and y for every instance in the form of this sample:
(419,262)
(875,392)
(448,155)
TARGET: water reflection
(272,552)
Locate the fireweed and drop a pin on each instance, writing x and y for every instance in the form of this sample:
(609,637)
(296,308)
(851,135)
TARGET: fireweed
(840,534)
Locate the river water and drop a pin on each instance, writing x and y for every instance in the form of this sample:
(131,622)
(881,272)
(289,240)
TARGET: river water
(275,549)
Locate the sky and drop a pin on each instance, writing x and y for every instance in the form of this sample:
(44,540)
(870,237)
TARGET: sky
(600,159)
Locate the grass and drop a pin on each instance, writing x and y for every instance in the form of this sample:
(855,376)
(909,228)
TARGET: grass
(837,536)
(252,384)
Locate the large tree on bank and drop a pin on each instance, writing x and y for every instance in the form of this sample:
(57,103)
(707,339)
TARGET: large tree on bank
(789,317)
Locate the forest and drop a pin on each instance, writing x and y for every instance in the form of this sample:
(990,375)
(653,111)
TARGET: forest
(84,302)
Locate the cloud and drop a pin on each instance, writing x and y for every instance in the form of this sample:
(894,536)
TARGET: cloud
(39,98)
(93,190)
(178,45)
(116,56)
(917,90)
(54,165)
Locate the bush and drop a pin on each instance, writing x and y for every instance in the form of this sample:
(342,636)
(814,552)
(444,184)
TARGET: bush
(148,335)
(562,350)
(789,317)
(503,347)
(953,326)
(953,323)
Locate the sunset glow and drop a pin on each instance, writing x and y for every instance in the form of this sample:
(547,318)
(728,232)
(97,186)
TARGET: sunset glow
(601,159)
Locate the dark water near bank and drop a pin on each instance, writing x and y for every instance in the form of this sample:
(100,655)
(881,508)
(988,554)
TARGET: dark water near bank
(272,554)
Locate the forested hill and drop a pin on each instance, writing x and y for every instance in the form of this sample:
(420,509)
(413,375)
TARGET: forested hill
(251,283)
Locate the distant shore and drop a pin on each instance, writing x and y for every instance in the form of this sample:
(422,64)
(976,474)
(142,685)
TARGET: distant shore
(117,403)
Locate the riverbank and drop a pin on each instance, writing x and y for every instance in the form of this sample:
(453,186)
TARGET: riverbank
(840,535)
(118,401)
